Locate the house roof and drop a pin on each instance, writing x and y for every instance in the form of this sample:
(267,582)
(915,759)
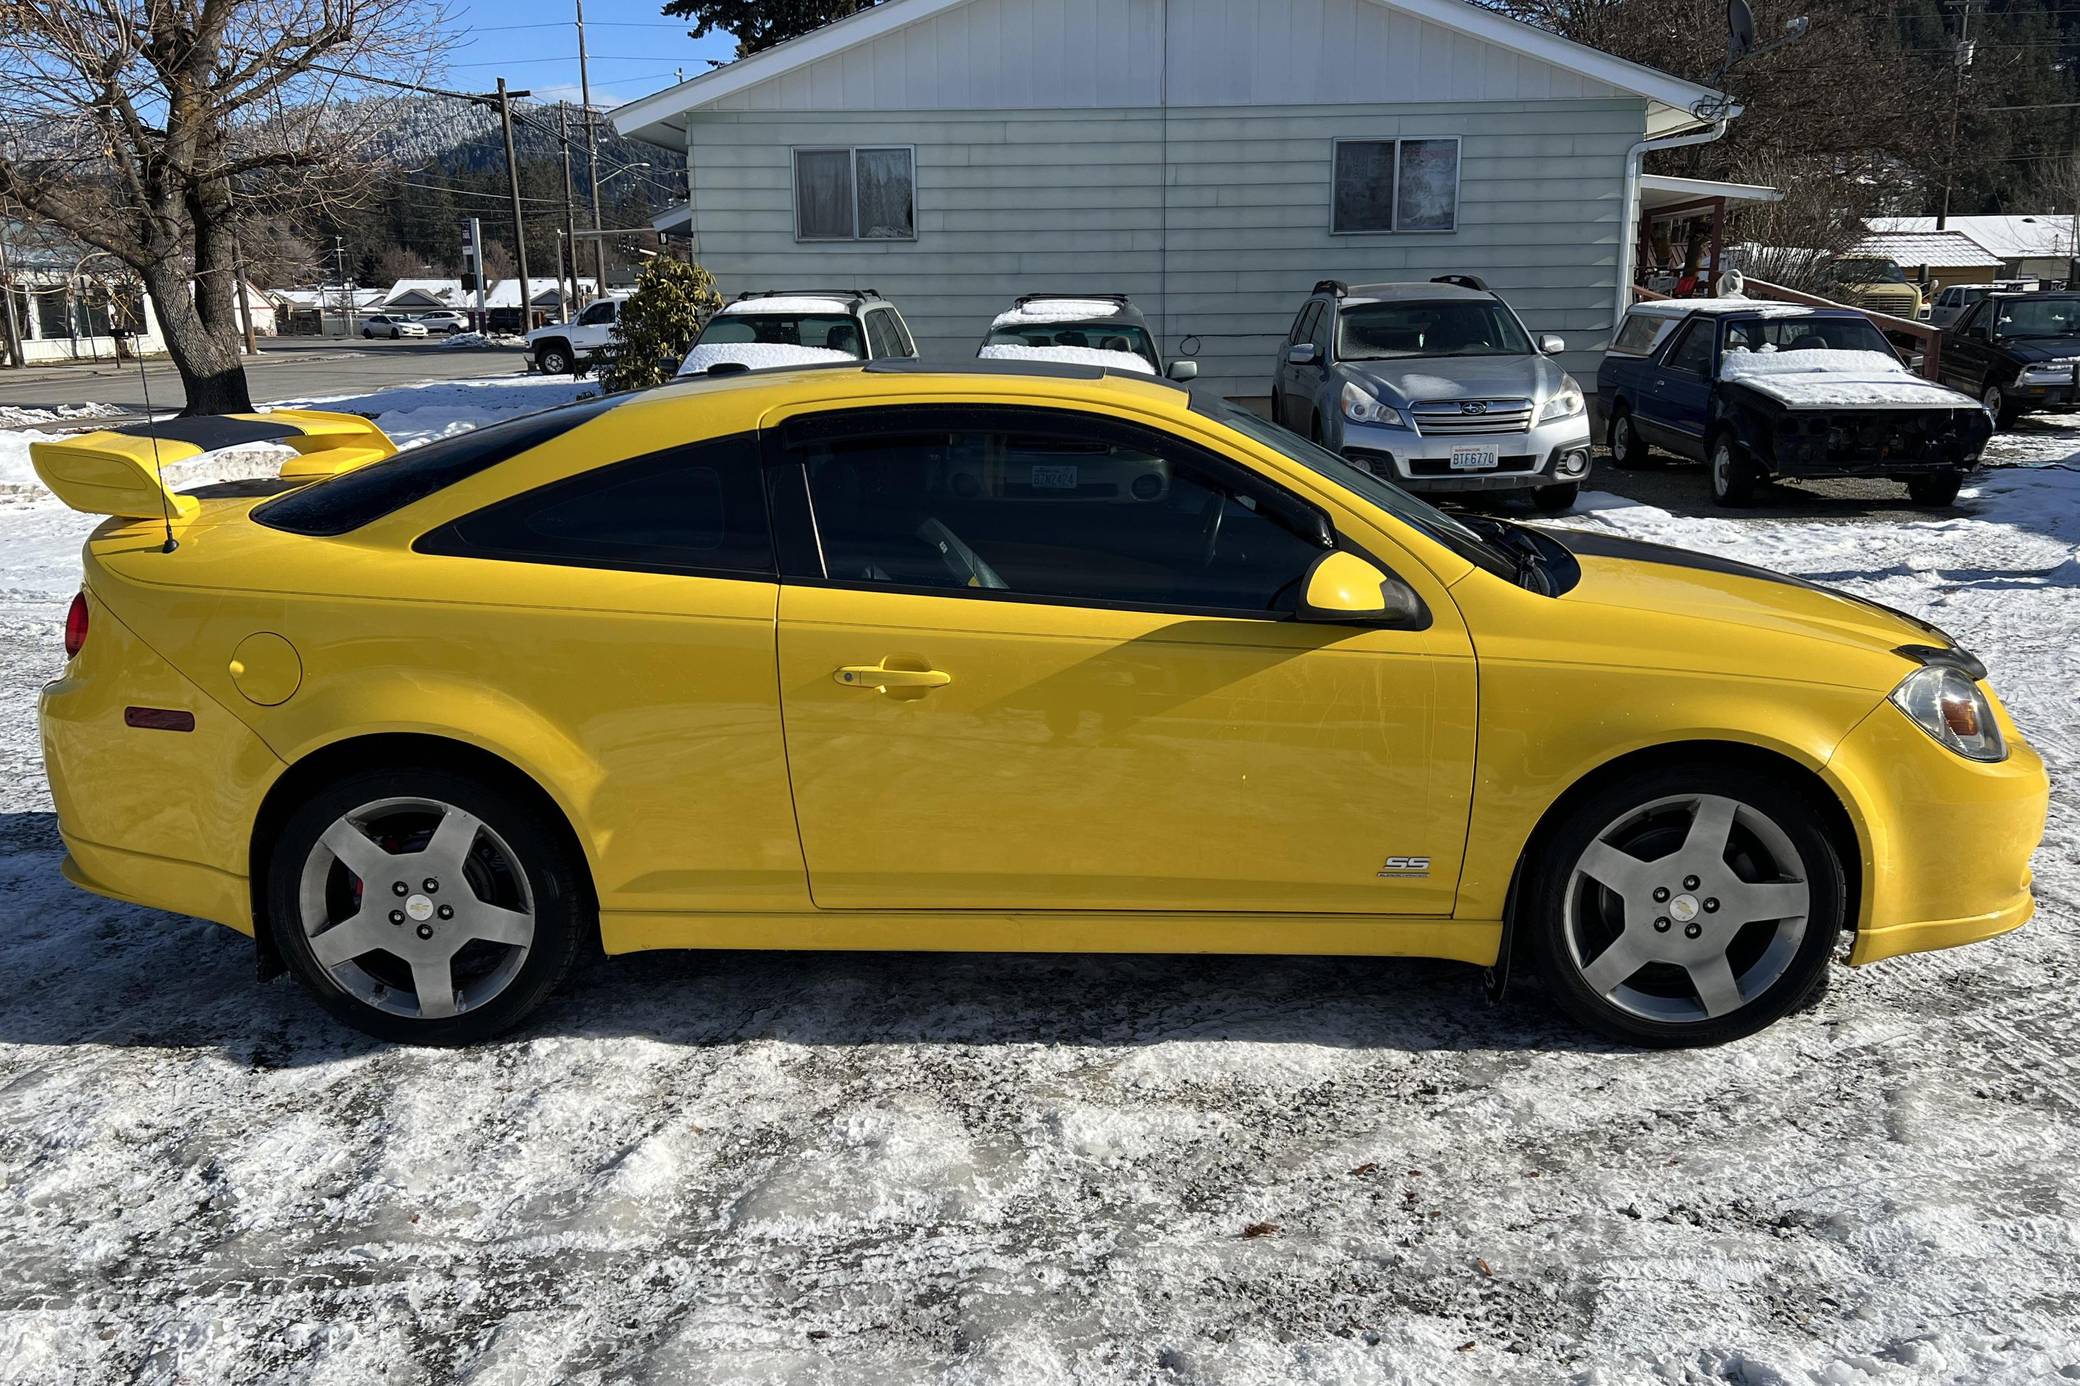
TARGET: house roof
(437,290)
(661,118)
(1948,249)
(505,293)
(1658,190)
(2036,236)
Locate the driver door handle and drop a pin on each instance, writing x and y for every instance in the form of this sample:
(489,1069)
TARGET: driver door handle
(882,679)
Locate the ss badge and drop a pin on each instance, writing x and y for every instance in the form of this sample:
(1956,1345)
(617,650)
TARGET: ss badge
(1405,866)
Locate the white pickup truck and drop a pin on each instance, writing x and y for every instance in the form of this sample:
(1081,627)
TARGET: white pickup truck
(561,346)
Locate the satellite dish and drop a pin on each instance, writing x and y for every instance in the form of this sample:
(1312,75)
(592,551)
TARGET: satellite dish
(1740,30)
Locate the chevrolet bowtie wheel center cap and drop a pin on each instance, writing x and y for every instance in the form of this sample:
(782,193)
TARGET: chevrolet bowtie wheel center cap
(419,907)
(1682,909)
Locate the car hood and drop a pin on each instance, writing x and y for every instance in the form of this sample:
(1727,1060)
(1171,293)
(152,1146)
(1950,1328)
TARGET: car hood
(1407,380)
(2050,349)
(1700,587)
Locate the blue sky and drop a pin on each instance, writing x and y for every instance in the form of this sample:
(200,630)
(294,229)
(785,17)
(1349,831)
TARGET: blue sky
(533,44)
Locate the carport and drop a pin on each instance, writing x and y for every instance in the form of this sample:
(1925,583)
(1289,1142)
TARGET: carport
(1682,224)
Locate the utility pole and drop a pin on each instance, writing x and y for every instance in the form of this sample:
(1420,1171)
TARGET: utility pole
(505,117)
(1961,59)
(599,245)
(570,216)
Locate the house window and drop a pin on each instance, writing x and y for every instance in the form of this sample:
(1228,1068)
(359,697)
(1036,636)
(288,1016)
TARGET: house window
(867,194)
(1396,185)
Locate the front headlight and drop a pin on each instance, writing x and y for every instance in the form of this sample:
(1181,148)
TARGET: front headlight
(1944,702)
(1360,405)
(2050,370)
(1566,404)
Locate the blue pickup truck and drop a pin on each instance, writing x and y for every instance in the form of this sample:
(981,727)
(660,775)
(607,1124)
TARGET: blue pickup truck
(1756,389)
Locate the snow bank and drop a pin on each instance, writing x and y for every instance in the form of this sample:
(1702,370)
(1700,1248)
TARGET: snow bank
(479,339)
(1056,310)
(1820,378)
(1078,356)
(758,356)
(789,305)
(21,416)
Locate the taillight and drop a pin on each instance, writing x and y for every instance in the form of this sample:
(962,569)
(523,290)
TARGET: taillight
(76,625)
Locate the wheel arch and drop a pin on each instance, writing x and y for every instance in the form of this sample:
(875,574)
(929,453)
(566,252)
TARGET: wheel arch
(417,750)
(1839,815)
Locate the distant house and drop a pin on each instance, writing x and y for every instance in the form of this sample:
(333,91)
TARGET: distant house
(1212,158)
(328,311)
(1942,257)
(425,295)
(548,301)
(2039,244)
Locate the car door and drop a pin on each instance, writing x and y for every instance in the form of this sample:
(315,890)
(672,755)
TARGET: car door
(1295,382)
(1675,389)
(1968,349)
(1039,660)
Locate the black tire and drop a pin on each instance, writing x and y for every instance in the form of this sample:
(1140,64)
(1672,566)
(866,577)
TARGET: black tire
(1549,876)
(553,358)
(1732,476)
(1934,488)
(562,913)
(1996,403)
(1559,496)
(1628,449)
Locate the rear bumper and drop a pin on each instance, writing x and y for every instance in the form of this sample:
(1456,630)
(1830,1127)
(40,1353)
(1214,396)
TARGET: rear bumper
(160,883)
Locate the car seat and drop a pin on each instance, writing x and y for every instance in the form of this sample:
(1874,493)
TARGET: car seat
(843,337)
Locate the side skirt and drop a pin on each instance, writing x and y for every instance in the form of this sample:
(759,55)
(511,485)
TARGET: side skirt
(965,931)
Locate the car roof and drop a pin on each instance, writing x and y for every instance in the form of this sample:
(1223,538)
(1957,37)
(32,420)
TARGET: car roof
(1731,307)
(1087,307)
(1423,290)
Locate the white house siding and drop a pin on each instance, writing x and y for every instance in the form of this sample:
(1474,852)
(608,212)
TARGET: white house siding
(1013,199)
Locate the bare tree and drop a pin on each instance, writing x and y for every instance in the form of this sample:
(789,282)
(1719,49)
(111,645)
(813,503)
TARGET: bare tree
(152,128)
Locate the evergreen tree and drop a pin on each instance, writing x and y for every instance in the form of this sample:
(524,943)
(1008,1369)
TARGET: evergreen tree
(759,24)
(658,323)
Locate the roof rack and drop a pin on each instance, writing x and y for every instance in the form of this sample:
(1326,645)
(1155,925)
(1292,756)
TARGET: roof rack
(1464,281)
(1330,286)
(749,294)
(1023,299)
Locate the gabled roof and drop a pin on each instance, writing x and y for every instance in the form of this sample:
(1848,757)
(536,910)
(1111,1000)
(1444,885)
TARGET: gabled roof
(1943,249)
(2043,236)
(661,118)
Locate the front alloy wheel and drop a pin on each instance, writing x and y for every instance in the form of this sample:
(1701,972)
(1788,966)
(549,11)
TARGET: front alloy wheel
(422,906)
(1690,916)
(1997,405)
(1733,478)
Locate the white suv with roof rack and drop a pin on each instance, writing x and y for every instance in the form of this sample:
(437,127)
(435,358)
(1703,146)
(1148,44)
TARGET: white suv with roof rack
(770,329)
(1103,330)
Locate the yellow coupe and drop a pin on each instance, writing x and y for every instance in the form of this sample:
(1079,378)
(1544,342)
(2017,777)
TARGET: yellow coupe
(1015,659)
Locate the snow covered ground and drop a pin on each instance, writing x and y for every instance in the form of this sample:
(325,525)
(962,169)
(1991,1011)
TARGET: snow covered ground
(898,1169)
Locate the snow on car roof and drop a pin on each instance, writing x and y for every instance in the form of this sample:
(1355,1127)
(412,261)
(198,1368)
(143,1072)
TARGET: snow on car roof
(1061,310)
(1733,303)
(789,304)
(758,356)
(1823,377)
(1074,355)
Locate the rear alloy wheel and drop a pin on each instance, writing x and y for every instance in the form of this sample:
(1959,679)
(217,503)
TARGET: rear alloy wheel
(1934,488)
(1688,916)
(422,906)
(1557,497)
(1733,477)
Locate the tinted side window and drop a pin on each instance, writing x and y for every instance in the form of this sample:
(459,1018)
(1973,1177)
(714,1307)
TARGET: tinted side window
(355,498)
(1299,332)
(692,509)
(598,313)
(1692,353)
(1060,510)
(905,345)
(1318,330)
(880,337)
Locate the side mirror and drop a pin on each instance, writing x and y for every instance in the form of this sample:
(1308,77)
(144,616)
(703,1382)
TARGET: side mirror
(1300,354)
(1182,371)
(1551,345)
(1344,588)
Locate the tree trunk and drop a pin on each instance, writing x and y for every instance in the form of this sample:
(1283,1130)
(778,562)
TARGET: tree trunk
(207,357)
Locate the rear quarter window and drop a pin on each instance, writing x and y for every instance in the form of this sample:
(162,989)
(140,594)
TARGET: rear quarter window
(1641,333)
(345,503)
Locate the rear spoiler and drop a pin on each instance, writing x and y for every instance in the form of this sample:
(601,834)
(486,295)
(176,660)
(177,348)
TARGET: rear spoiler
(118,471)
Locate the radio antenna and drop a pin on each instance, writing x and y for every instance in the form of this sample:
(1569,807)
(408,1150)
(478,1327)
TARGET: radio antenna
(144,384)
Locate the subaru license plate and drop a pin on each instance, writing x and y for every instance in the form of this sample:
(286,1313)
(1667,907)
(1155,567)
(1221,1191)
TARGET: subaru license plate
(1471,459)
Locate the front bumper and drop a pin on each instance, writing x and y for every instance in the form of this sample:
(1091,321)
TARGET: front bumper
(1548,454)
(1946,841)
(2061,394)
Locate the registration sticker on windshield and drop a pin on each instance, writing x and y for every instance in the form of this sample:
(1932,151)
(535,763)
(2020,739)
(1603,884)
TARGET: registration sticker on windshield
(1472,459)
(1054,476)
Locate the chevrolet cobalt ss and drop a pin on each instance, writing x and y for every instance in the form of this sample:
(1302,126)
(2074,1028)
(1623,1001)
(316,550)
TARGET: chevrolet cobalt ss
(1018,659)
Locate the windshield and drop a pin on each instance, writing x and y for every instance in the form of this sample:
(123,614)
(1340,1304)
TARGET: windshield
(2037,317)
(1384,331)
(1804,334)
(830,331)
(1098,336)
(1868,272)
(1432,522)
